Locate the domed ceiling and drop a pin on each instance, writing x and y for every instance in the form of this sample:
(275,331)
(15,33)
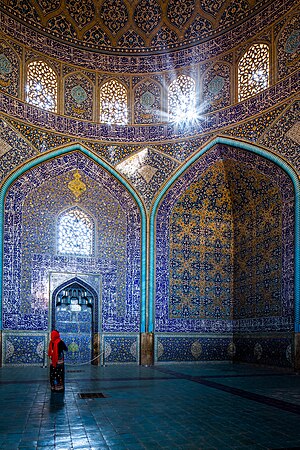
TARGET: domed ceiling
(132,26)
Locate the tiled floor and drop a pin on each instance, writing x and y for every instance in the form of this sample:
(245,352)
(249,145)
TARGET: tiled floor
(176,406)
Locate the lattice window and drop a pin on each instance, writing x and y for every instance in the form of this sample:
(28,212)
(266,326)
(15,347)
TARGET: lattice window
(182,98)
(75,233)
(113,103)
(253,71)
(41,87)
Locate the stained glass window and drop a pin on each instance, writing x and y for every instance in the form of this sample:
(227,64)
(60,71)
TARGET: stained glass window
(41,87)
(253,71)
(182,98)
(113,103)
(75,233)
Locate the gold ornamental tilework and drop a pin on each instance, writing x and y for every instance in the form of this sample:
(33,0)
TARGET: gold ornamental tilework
(201,249)
(226,246)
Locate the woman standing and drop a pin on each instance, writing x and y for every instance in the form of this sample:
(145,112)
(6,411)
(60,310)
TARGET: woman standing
(57,368)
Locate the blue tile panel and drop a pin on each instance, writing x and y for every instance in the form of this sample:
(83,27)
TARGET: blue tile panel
(31,349)
(273,351)
(120,349)
(174,348)
(78,95)
(23,349)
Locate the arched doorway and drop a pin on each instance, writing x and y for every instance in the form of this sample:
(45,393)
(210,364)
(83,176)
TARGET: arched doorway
(75,315)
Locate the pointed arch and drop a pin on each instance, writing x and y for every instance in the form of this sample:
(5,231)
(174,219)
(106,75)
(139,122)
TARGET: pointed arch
(60,152)
(78,95)
(78,73)
(73,280)
(250,148)
(216,86)
(147,99)
(83,284)
(10,67)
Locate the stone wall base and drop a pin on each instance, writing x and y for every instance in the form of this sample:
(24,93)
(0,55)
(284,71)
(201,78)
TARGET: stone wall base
(297,352)
(147,349)
(96,350)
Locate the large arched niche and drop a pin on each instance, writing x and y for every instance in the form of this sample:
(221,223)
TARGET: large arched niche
(225,258)
(32,268)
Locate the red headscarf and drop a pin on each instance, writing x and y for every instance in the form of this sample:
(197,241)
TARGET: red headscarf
(53,347)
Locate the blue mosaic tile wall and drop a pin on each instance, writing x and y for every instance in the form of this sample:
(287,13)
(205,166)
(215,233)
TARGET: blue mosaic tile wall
(268,350)
(210,122)
(118,348)
(22,349)
(219,324)
(190,292)
(193,348)
(79,348)
(29,231)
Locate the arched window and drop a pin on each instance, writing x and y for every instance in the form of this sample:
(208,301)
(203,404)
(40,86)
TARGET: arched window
(253,71)
(182,99)
(41,87)
(75,233)
(113,103)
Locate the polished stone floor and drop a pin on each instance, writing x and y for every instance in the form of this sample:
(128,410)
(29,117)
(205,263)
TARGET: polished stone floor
(175,406)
